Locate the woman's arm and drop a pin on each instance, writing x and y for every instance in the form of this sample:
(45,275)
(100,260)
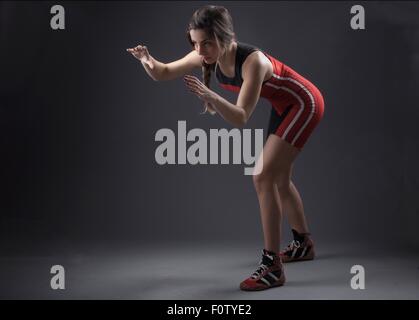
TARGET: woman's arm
(253,73)
(159,71)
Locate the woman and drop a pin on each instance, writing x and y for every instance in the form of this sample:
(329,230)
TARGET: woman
(297,108)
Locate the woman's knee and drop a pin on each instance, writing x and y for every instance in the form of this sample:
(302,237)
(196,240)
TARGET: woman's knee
(283,185)
(266,179)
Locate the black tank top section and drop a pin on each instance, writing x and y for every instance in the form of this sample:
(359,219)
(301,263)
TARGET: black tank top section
(242,51)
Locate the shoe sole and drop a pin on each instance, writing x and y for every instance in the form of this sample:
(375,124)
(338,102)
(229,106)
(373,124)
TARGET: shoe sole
(297,260)
(278,284)
(260,289)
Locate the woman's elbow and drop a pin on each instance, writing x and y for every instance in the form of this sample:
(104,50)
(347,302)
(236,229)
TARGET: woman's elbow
(242,121)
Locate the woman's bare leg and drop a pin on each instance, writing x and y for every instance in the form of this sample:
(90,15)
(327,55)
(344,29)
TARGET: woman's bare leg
(292,206)
(278,156)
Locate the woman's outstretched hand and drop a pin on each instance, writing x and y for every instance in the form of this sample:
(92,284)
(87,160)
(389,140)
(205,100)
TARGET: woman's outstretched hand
(199,89)
(141,53)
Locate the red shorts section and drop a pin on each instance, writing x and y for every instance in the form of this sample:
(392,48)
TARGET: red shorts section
(304,115)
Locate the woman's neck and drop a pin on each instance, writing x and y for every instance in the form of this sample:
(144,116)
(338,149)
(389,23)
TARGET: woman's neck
(227,60)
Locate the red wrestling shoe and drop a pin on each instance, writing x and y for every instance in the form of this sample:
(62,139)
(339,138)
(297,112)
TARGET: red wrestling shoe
(269,274)
(300,249)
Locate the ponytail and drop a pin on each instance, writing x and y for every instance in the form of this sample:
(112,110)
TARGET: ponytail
(206,76)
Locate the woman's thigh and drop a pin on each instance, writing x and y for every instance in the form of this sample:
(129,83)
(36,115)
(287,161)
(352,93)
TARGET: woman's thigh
(277,158)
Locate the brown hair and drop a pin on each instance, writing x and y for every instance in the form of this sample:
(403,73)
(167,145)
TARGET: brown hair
(216,21)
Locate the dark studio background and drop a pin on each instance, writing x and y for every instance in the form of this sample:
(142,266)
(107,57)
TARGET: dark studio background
(78,115)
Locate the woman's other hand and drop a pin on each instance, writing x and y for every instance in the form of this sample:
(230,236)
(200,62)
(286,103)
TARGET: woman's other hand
(141,53)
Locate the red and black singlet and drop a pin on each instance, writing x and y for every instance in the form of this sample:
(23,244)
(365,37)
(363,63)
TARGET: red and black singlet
(297,104)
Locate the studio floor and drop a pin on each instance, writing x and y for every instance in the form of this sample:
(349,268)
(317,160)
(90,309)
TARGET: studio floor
(192,272)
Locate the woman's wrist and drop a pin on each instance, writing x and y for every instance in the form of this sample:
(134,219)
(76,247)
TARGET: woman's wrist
(148,64)
(214,99)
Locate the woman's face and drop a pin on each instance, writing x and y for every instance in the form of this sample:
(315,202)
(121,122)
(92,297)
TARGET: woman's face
(206,47)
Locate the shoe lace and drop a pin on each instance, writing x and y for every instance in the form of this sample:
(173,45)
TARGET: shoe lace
(294,244)
(262,267)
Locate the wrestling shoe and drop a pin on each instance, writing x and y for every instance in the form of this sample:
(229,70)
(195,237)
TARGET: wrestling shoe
(270,273)
(300,249)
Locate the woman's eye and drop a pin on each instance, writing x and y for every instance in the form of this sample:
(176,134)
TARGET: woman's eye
(206,44)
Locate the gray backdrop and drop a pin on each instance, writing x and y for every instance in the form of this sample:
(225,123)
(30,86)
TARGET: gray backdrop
(78,117)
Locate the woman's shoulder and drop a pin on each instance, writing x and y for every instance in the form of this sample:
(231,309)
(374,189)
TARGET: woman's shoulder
(245,48)
(256,60)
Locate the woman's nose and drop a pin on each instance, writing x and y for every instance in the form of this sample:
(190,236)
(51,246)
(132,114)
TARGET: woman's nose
(200,51)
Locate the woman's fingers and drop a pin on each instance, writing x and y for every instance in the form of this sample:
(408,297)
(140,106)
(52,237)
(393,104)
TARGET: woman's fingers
(193,81)
(191,78)
(132,49)
(138,49)
(133,52)
(194,85)
(195,90)
(138,52)
(199,95)
(141,48)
